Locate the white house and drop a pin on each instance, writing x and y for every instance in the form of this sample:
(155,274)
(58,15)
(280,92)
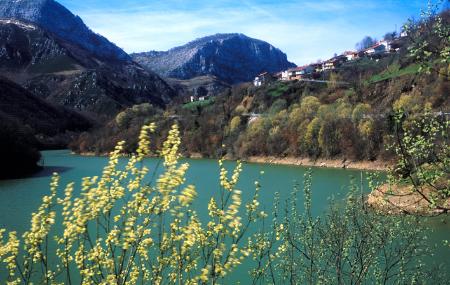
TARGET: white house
(262,79)
(376,49)
(350,55)
(334,62)
(287,75)
(387,44)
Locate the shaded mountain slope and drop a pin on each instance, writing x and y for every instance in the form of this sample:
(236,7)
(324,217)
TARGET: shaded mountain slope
(41,117)
(27,124)
(18,149)
(62,72)
(55,18)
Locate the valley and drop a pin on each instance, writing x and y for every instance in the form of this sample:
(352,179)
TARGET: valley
(217,159)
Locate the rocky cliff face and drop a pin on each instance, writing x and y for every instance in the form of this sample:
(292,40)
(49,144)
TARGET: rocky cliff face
(55,18)
(56,69)
(232,58)
(198,87)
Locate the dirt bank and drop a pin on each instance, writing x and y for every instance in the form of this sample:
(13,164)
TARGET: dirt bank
(329,163)
(400,199)
(295,161)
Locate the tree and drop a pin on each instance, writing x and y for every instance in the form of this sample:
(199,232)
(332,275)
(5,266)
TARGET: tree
(422,145)
(330,137)
(429,40)
(235,123)
(390,36)
(124,228)
(365,43)
(309,106)
(350,245)
(311,138)
(18,149)
(127,229)
(201,92)
(360,111)
(277,106)
(334,81)
(123,119)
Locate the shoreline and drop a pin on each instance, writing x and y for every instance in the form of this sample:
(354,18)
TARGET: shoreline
(325,163)
(292,161)
(401,199)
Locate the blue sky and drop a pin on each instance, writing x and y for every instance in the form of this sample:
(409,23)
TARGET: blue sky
(307,30)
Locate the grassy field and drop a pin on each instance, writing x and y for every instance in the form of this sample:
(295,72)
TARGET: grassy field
(278,90)
(58,64)
(394,71)
(195,104)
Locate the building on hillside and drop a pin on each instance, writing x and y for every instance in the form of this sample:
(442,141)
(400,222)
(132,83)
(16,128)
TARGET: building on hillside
(380,48)
(350,55)
(298,73)
(334,62)
(263,79)
(386,44)
(302,72)
(397,44)
(287,74)
(317,67)
(278,75)
(196,98)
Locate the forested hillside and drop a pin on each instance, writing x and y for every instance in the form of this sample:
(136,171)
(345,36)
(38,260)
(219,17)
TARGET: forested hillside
(29,123)
(347,116)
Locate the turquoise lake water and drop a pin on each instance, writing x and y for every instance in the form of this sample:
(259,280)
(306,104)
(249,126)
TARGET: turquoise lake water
(19,198)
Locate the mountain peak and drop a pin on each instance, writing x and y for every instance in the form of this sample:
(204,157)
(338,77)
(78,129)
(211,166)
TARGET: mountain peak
(57,19)
(232,58)
(218,38)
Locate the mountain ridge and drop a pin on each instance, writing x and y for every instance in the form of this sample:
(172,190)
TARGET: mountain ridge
(64,73)
(54,17)
(231,57)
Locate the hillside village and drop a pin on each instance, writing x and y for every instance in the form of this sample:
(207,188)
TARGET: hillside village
(314,71)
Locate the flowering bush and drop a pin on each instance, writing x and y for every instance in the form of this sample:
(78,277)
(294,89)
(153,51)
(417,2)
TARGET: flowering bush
(121,230)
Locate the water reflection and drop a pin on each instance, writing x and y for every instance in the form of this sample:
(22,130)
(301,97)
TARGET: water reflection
(49,170)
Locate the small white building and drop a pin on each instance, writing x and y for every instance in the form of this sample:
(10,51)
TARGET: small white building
(376,49)
(286,75)
(334,62)
(386,44)
(262,79)
(350,55)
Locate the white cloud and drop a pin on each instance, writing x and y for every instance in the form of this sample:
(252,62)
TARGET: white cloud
(305,30)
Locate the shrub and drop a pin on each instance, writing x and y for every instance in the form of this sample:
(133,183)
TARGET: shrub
(360,111)
(124,230)
(350,245)
(235,123)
